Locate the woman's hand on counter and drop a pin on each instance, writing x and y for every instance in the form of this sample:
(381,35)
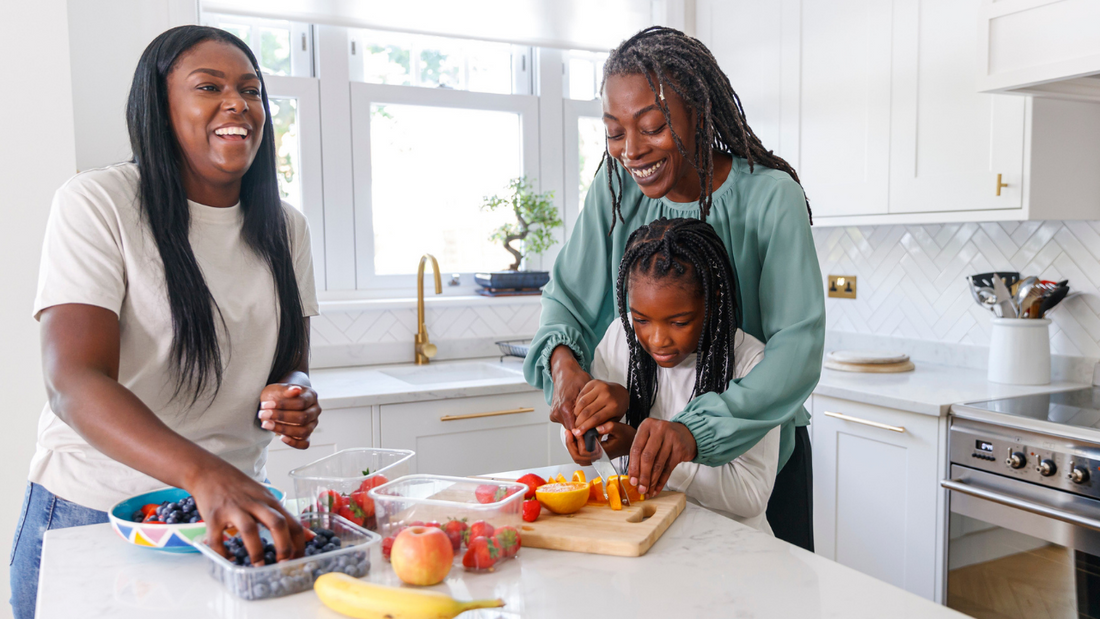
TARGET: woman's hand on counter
(227,497)
(658,447)
(291,411)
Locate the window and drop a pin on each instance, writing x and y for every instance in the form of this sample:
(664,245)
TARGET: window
(288,156)
(584,73)
(281,47)
(590,149)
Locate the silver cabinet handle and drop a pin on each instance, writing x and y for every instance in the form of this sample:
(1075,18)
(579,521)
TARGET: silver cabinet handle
(512,411)
(959,485)
(866,422)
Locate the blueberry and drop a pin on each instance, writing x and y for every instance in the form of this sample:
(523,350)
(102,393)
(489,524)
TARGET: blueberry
(193,519)
(170,520)
(349,570)
(276,588)
(240,552)
(137,516)
(335,541)
(259,591)
(172,506)
(310,551)
(328,547)
(327,532)
(269,558)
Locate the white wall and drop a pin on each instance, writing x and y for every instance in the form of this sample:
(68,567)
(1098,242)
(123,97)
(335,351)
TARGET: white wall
(37,154)
(106,39)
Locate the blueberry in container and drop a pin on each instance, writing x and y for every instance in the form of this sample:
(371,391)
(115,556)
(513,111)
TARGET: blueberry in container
(352,557)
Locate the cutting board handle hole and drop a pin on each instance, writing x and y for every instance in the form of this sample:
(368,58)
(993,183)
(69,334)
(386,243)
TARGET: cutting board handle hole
(645,513)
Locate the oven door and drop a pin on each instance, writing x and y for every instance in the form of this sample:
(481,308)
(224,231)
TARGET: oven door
(1017,549)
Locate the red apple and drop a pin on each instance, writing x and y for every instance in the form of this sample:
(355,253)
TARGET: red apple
(422,555)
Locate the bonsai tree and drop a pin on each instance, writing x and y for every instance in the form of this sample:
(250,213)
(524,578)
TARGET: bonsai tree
(536,218)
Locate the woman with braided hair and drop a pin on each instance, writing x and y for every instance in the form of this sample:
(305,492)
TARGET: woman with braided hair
(677,337)
(679,146)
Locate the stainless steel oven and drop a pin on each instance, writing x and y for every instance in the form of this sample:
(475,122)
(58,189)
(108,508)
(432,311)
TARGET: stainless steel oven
(1024,507)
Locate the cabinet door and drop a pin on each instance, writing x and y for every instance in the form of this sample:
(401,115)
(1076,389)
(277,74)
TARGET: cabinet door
(844,104)
(948,142)
(470,436)
(876,492)
(337,429)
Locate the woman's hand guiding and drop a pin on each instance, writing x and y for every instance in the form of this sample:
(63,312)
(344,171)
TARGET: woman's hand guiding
(291,411)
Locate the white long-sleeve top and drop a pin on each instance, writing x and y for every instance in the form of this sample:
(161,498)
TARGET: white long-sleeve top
(739,489)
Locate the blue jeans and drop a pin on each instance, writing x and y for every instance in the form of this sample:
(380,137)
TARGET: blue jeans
(42,511)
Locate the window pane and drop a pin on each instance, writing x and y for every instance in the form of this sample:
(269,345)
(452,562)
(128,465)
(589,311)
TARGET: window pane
(585,74)
(243,33)
(288,157)
(275,51)
(591,145)
(430,170)
(434,62)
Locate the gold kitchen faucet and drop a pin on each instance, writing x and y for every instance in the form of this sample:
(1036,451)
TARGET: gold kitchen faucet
(425,350)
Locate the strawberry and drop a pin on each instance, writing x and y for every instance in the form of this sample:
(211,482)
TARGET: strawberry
(433,523)
(387,547)
(149,508)
(480,529)
(152,518)
(532,482)
(488,493)
(365,503)
(331,501)
(372,482)
(454,530)
(531,510)
(482,554)
(507,538)
(352,512)
(309,534)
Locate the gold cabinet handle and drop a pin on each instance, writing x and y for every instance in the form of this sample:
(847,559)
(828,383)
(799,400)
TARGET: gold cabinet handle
(873,424)
(512,411)
(1000,184)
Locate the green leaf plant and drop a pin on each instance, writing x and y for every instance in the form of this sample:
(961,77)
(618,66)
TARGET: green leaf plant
(536,218)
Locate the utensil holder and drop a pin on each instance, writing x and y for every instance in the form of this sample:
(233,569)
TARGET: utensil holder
(1019,351)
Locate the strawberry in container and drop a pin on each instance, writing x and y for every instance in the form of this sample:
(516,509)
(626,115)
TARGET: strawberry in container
(340,483)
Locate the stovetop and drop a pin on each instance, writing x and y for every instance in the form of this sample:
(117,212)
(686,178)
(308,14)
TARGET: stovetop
(1076,409)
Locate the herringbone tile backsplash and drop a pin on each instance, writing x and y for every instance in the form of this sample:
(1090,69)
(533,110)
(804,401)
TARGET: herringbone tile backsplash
(911,279)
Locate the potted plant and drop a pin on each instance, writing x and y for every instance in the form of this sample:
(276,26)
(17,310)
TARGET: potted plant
(536,219)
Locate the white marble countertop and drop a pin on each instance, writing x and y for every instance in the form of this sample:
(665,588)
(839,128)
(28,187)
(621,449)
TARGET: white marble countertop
(705,565)
(929,389)
(368,385)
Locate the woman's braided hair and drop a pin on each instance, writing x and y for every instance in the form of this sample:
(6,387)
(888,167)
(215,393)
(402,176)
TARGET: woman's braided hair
(688,250)
(669,58)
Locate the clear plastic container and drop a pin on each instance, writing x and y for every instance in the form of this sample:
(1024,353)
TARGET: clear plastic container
(326,485)
(297,575)
(435,498)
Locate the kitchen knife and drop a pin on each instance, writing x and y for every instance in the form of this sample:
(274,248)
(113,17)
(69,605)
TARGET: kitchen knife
(603,465)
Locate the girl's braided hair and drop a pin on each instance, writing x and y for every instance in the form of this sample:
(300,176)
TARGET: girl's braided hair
(669,58)
(688,250)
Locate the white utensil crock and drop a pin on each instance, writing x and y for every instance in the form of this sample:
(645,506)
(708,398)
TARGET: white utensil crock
(1019,351)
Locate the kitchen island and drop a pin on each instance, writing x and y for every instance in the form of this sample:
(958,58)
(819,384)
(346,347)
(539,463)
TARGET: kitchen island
(705,565)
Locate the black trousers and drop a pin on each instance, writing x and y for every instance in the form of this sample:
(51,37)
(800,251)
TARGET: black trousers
(791,507)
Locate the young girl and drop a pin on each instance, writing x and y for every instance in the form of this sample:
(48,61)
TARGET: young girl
(678,337)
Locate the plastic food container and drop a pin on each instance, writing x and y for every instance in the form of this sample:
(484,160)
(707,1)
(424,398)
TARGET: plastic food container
(435,498)
(343,473)
(296,575)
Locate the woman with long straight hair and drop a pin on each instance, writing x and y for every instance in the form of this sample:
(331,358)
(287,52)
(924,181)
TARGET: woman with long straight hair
(174,298)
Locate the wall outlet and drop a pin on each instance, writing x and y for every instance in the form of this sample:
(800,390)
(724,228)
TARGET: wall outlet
(842,286)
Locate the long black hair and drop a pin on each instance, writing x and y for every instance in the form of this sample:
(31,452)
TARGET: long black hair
(195,351)
(671,59)
(688,250)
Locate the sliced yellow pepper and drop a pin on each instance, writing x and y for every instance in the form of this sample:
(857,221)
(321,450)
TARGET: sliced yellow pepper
(579,476)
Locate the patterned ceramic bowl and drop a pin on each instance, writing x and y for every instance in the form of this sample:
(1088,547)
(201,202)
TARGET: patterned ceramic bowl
(166,537)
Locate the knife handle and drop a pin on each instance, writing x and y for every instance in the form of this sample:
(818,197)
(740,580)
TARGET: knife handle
(590,439)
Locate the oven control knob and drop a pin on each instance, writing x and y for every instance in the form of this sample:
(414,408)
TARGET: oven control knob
(1079,475)
(1046,468)
(1016,460)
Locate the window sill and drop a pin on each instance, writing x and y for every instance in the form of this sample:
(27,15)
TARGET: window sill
(359,305)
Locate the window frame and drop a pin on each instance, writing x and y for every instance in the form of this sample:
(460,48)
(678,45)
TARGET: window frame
(572,111)
(363,96)
(301,38)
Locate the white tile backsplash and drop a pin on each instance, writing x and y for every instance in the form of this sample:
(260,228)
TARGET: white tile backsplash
(911,279)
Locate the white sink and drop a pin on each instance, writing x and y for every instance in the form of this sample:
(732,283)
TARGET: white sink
(450,373)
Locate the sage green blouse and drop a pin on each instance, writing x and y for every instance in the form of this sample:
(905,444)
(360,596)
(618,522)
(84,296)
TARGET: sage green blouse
(761,217)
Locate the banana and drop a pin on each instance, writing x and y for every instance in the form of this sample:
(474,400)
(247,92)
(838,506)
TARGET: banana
(364,600)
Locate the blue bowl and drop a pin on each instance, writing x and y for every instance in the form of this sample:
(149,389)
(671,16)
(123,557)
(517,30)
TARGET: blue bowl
(167,537)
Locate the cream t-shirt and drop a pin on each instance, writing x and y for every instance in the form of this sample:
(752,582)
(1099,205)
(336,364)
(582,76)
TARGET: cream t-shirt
(98,251)
(738,490)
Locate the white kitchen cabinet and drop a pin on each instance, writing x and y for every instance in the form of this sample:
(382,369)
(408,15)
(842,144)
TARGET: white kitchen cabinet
(875,106)
(468,436)
(877,501)
(1040,47)
(341,428)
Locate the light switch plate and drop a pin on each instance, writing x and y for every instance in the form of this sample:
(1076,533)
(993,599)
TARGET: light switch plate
(842,286)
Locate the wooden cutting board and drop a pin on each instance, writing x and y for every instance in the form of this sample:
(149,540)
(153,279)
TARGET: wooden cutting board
(866,356)
(598,529)
(871,368)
